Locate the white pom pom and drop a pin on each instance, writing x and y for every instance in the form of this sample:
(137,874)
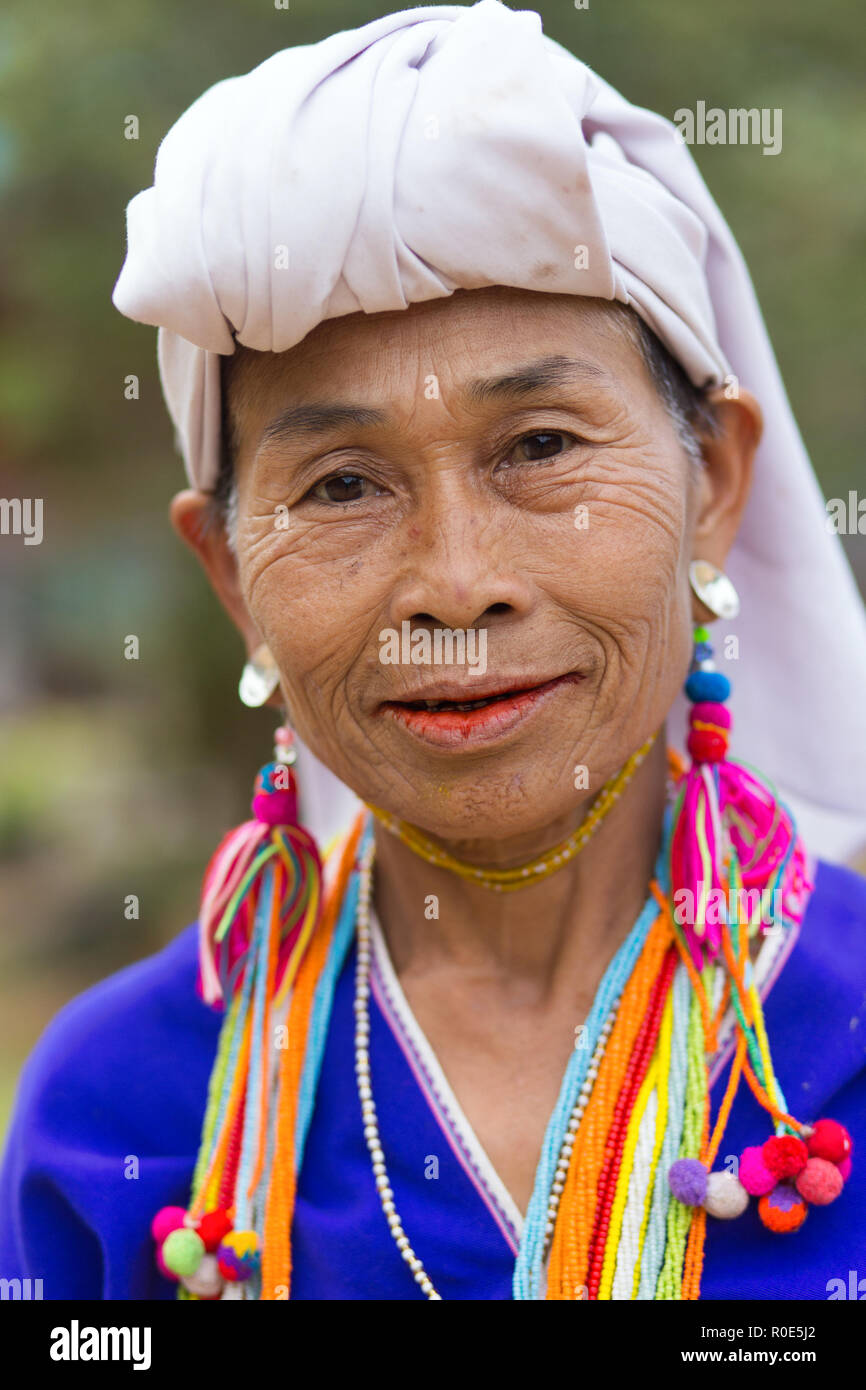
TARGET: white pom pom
(207,1281)
(726,1197)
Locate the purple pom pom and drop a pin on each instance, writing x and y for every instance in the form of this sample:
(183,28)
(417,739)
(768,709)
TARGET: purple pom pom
(688,1181)
(784,1196)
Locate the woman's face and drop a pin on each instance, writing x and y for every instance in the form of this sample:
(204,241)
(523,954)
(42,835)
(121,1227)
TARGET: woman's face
(497,461)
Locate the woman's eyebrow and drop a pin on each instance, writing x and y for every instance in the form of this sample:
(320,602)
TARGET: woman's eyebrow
(320,417)
(317,419)
(535,376)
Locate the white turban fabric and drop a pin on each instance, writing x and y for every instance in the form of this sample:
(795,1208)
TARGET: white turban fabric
(452,147)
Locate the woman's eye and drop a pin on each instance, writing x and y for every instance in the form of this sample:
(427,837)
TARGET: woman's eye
(342,487)
(542,445)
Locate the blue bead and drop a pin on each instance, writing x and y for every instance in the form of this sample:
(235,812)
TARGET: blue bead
(703,651)
(707,685)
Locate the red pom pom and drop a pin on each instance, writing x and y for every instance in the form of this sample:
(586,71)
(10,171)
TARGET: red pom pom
(212,1227)
(785,1155)
(830,1140)
(845,1169)
(820,1182)
(707,746)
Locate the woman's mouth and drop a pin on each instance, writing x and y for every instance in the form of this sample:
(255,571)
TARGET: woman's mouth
(447,718)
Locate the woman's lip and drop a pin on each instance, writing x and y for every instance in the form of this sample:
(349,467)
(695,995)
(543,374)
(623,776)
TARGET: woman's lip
(460,728)
(459,692)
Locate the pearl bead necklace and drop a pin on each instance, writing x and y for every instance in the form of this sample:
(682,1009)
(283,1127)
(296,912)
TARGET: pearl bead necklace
(362,1073)
(368,1106)
(573,1125)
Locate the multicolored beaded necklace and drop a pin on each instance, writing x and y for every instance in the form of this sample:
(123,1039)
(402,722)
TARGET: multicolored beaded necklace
(625,1181)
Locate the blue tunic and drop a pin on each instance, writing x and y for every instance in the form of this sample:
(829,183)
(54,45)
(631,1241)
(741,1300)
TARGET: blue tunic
(110,1105)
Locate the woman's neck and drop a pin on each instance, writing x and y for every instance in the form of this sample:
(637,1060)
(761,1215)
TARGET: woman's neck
(561,929)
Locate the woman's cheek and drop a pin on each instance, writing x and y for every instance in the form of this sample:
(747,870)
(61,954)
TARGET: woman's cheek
(319,616)
(617,561)
(621,577)
(284,561)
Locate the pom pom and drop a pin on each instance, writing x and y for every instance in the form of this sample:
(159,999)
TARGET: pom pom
(276,808)
(275,798)
(707,746)
(782,1210)
(688,1181)
(708,685)
(167,1219)
(163,1267)
(213,1226)
(726,1197)
(182,1252)
(239,1256)
(785,1155)
(754,1173)
(829,1140)
(845,1169)
(274,777)
(207,1282)
(820,1182)
(706,712)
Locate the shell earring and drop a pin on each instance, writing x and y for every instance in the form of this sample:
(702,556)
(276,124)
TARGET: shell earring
(714,589)
(259,678)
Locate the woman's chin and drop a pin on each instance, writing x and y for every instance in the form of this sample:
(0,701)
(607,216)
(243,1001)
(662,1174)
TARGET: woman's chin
(467,815)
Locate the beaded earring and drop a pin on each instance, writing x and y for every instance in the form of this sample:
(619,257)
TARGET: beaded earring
(271,851)
(733,843)
(260,905)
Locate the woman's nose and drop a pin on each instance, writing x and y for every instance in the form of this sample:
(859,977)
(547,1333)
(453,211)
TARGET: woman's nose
(460,571)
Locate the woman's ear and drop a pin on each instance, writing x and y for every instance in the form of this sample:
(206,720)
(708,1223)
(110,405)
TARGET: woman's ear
(726,476)
(200,526)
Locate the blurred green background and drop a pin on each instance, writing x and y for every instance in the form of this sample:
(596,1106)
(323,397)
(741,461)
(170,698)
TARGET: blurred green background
(117,777)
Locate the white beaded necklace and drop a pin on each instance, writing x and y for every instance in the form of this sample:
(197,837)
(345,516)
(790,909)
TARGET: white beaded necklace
(368,1106)
(574,1122)
(362,1073)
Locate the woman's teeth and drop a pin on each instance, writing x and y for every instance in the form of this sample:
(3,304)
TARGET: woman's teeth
(454,705)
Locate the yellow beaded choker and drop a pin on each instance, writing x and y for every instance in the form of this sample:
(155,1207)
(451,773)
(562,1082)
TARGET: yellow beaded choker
(507,880)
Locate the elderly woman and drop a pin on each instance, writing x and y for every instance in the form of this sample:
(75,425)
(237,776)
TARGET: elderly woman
(470,385)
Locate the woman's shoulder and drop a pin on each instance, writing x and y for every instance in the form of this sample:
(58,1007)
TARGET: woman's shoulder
(816,1012)
(843,883)
(105,1129)
(828,961)
(835,919)
(122,1040)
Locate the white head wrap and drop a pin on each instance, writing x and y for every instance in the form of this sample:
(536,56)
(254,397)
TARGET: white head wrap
(451,147)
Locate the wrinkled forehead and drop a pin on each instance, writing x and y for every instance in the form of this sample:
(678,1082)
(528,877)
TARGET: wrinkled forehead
(469,337)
